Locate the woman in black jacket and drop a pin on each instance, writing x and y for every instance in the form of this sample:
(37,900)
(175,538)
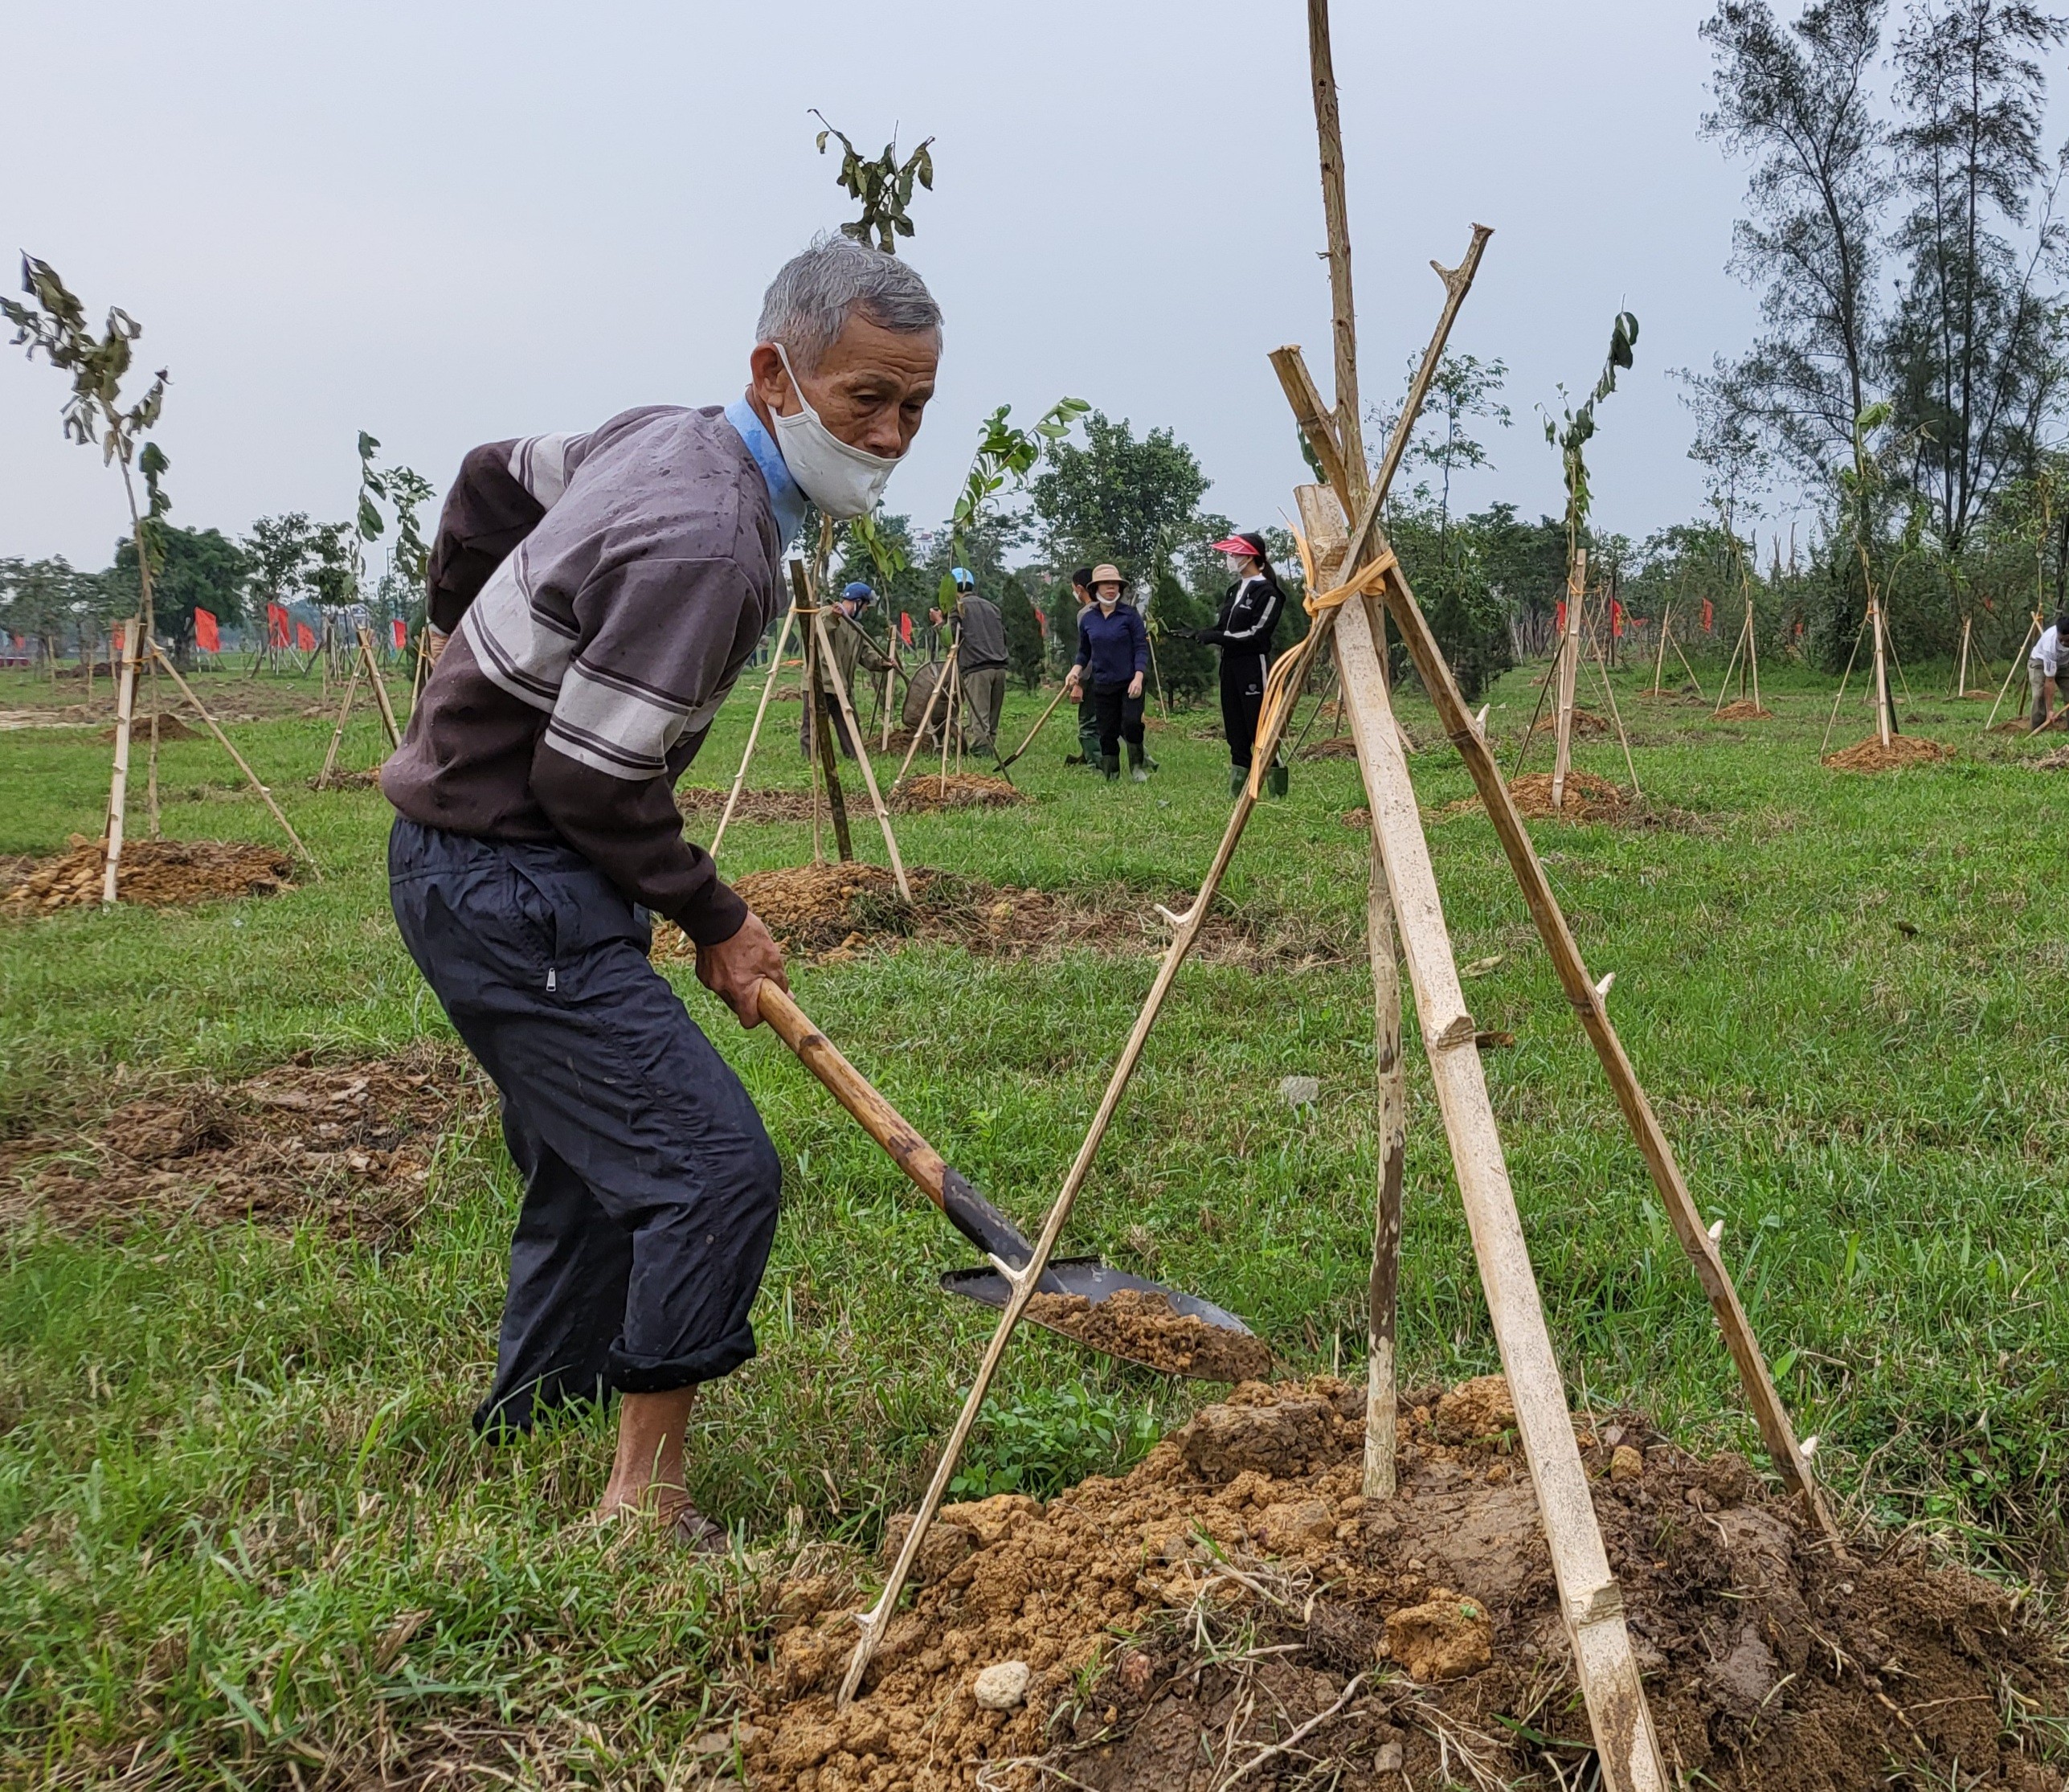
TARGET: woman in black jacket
(1246,632)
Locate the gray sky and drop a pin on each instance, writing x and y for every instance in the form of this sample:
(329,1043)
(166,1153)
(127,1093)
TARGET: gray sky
(449,222)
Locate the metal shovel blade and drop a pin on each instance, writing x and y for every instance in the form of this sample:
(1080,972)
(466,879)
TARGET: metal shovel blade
(1097,1282)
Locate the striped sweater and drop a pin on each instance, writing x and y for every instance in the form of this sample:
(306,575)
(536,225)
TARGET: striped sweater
(603,591)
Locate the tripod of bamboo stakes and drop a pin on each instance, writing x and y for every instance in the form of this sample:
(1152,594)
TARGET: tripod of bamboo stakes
(365,661)
(1745,650)
(1368,587)
(821,675)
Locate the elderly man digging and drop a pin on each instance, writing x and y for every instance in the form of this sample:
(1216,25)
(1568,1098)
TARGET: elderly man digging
(601,592)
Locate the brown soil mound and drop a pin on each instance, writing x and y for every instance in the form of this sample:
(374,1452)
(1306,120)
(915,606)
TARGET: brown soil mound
(1587,798)
(1871,755)
(1144,1329)
(1330,746)
(829,913)
(2056,761)
(365,779)
(1177,1626)
(159,874)
(347,1146)
(1745,710)
(960,790)
(170,727)
(755,805)
(1585,721)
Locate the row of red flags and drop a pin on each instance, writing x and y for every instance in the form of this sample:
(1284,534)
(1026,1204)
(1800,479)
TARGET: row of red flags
(208,635)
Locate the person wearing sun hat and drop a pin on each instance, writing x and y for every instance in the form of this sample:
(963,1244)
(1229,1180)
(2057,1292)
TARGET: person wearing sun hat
(1246,632)
(1114,658)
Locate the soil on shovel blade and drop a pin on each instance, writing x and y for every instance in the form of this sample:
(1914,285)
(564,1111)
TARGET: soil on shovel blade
(348,1145)
(158,873)
(1871,755)
(832,913)
(1232,1611)
(1145,1328)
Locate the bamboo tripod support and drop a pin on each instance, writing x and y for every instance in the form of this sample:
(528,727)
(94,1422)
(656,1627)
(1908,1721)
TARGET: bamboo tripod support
(364,660)
(754,729)
(1569,674)
(2025,647)
(1185,930)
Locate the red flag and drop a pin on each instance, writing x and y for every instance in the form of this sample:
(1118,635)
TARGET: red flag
(1616,618)
(206,636)
(905,628)
(1558,618)
(276,626)
(1709,616)
(305,639)
(401,630)
(1041,621)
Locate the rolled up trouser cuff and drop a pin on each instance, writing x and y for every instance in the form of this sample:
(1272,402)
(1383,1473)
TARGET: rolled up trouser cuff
(629,1374)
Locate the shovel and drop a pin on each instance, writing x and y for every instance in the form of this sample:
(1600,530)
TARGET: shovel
(967,1208)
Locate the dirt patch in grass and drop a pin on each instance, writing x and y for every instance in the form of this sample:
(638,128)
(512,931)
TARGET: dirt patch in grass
(1330,746)
(830,913)
(365,779)
(1176,1626)
(346,1146)
(1144,1328)
(170,727)
(1586,798)
(2056,761)
(1871,755)
(1745,710)
(1585,721)
(960,790)
(157,873)
(755,805)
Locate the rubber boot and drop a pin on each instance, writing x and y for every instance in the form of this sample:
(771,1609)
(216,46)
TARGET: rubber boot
(1138,763)
(1110,764)
(1237,774)
(1275,781)
(1144,750)
(1087,745)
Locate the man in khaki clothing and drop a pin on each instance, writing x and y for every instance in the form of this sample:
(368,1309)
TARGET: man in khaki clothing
(980,659)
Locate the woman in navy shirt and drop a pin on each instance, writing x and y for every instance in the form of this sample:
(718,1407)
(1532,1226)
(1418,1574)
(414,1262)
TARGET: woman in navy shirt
(1113,655)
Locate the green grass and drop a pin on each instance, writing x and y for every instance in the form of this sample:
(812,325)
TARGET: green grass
(249,1533)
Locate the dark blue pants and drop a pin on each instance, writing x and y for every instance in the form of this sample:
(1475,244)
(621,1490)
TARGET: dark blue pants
(650,1185)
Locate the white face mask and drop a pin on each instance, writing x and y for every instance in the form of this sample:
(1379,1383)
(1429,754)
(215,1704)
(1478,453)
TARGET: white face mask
(1108,604)
(843,481)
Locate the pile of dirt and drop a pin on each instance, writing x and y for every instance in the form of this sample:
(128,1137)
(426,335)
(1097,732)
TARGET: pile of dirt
(1330,746)
(755,805)
(365,780)
(960,790)
(347,1146)
(1585,721)
(170,727)
(832,912)
(1871,755)
(1145,1327)
(158,873)
(1234,1610)
(1586,798)
(2056,761)
(1745,710)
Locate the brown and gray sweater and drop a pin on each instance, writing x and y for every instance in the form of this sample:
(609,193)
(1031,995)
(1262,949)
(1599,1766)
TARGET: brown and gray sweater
(603,591)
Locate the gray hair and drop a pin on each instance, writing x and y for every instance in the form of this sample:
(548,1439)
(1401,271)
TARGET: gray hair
(814,294)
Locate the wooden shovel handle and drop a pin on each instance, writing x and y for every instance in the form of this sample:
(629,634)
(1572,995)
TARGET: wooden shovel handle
(850,1087)
(968,1211)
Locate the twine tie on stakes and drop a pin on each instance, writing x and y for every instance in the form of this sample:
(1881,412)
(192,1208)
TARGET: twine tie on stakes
(1279,696)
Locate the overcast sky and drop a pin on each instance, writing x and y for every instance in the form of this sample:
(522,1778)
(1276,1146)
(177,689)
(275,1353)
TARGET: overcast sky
(449,222)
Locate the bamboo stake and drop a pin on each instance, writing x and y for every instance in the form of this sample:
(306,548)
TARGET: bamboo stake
(1840,696)
(2011,672)
(118,784)
(1589,1600)
(840,697)
(1882,671)
(1588,1005)
(380,690)
(951,714)
(804,598)
(337,733)
(251,777)
(1731,666)
(890,675)
(1753,650)
(151,782)
(1382,1291)
(808,690)
(1569,672)
(754,729)
(919,733)
(1344,327)
(1961,666)
(1624,739)
(1659,665)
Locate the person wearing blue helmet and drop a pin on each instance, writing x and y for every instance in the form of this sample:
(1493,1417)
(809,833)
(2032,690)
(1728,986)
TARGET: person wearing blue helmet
(980,661)
(853,651)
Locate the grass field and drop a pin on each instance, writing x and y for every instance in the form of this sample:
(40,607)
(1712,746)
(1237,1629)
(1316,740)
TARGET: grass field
(251,1541)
